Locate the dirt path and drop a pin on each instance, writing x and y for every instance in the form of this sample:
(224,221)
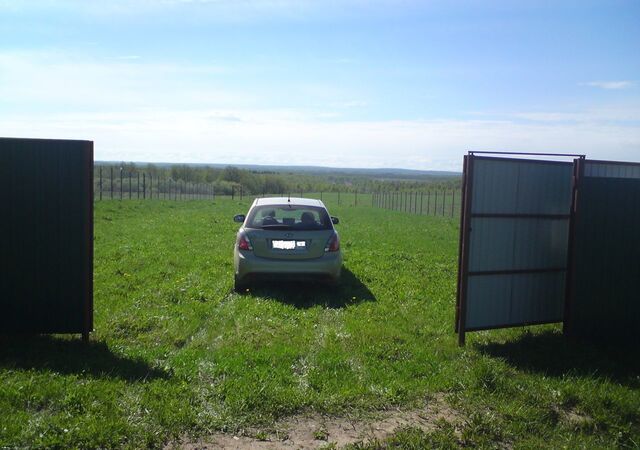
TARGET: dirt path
(316,431)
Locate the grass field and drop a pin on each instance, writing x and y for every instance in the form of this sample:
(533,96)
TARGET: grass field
(176,353)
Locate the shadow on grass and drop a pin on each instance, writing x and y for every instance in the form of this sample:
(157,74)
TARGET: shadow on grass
(349,291)
(552,354)
(72,356)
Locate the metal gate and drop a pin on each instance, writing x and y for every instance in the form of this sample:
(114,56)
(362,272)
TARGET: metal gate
(514,240)
(603,299)
(46,256)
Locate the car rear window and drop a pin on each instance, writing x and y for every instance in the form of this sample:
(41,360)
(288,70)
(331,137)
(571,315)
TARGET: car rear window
(289,217)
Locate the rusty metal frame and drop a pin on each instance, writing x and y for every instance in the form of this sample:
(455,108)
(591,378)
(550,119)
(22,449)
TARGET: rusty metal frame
(578,176)
(463,257)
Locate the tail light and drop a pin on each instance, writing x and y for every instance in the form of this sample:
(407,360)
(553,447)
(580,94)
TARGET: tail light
(243,242)
(333,244)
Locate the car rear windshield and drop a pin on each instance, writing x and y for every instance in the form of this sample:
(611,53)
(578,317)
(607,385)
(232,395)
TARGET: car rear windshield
(289,217)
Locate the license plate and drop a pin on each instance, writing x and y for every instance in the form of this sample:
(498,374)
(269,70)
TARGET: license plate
(287,245)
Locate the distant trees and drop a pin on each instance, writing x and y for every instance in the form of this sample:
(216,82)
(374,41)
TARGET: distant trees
(256,182)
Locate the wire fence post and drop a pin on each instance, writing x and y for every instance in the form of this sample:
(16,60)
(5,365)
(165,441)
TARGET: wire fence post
(421,201)
(435,203)
(100,182)
(453,201)
(129,185)
(144,186)
(138,188)
(338,197)
(121,183)
(150,187)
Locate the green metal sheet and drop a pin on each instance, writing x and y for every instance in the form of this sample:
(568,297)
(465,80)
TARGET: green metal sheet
(606,269)
(47,232)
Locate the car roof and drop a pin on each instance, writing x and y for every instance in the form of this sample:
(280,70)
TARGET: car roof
(298,201)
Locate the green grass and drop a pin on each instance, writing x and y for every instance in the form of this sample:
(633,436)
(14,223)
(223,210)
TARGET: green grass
(176,352)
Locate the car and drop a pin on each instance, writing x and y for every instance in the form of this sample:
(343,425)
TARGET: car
(286,237)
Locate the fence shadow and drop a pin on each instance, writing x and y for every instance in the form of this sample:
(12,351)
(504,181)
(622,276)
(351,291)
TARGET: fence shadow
(72,356)
(301,294)
(550,353)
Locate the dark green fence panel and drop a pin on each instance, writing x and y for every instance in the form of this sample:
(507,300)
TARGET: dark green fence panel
(605,299)
(46,262)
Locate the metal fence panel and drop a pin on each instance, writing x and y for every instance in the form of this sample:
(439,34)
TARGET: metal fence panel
(604,300)
(516,186)
(509,300)
(47,228)
(611,169)
(514,254)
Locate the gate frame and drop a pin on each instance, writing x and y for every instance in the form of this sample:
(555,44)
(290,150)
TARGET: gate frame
(465,228)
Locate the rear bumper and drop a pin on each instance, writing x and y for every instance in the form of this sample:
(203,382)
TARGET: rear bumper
(247,265)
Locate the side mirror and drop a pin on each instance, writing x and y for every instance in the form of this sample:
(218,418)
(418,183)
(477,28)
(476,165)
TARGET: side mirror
(239,218)
(335,220)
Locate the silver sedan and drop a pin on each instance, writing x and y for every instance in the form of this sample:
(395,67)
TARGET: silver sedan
(291,238)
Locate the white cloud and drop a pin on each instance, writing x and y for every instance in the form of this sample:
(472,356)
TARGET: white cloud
(624,84)
(146,111)
(50,80)
(289,138)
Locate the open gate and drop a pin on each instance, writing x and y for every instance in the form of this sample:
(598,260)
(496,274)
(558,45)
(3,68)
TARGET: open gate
(514,242)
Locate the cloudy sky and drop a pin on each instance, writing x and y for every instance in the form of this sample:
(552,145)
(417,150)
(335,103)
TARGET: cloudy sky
(350,83)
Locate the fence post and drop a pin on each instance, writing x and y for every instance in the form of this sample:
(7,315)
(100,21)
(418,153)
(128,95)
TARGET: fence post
(356,200)
(144,186)
(421,201)
(121,183)
(338,197)
(129,185)
(444,198)
(453,200)
(100,182)
(150,186)
(435,203)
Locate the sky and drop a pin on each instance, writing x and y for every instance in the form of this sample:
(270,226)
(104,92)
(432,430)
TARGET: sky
(351,83)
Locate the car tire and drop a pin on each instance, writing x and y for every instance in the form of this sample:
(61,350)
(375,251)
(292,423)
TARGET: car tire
(238,285)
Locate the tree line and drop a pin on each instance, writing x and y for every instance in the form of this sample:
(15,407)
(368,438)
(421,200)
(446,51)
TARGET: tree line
(227,179)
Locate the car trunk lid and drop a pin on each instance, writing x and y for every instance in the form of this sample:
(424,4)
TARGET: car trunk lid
(288,244)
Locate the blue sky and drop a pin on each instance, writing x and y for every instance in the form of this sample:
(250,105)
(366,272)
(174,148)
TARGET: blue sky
(338,83)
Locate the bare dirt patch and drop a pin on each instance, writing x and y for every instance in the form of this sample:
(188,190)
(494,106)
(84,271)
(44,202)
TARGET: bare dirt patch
(313,431)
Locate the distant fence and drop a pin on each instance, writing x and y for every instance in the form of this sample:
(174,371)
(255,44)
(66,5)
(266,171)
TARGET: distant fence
(113,184)
(434,202)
